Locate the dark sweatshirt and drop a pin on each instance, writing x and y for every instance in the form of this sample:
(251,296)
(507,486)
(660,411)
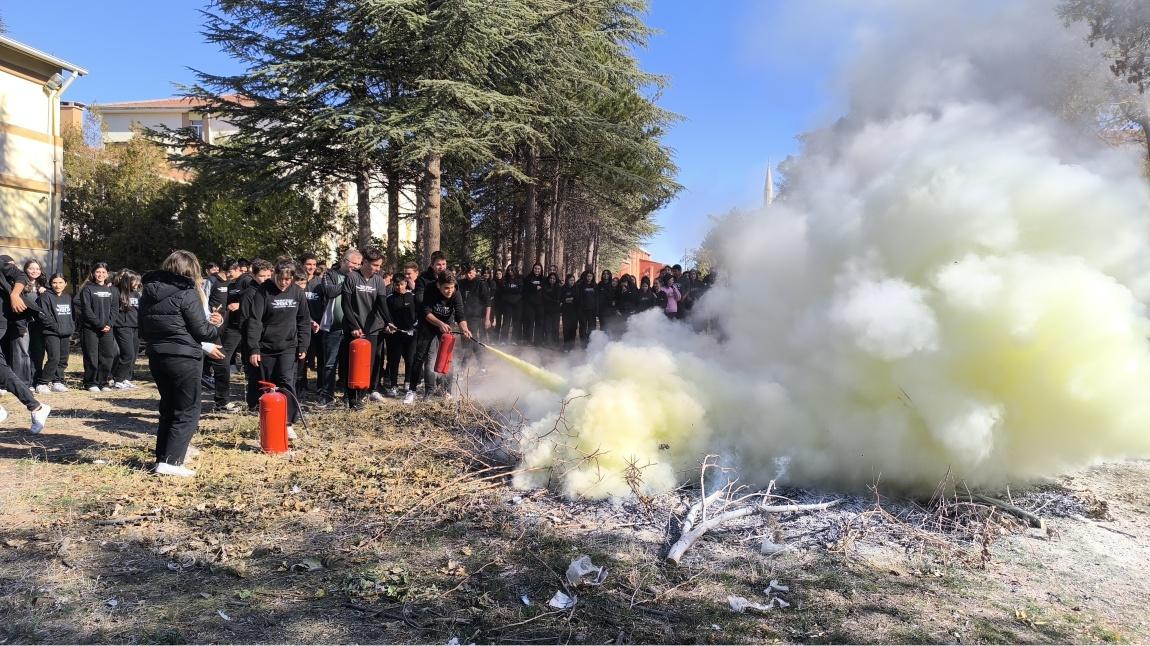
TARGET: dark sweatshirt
(533,289)
(364,303)
(424,284)
(278,322)
(476,297)
(568,297)
(315,299)
(217,294)
(447,310)
(58,314)
(98,305)
(402,309)
(129,317)
(236,291)
(588,297)
(511,291)
(552,297)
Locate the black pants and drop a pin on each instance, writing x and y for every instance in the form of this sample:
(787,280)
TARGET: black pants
(36,350)
(10,382)
(252,376)
(379,362)
(423,339)
(586,325)
(470,350)
(178,380)
(532,324)
(100,351)
(355,397)
(16,350)
(570,327)
(509,330)
(280,369)
(221,369)
(328,363)
(57,349)
(128,344)
(550,329)
(313,351)
(400,347)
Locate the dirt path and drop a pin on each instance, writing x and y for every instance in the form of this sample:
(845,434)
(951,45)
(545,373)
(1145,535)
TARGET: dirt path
(382,528)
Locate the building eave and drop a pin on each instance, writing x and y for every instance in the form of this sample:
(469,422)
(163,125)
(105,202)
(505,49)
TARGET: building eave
(42,56)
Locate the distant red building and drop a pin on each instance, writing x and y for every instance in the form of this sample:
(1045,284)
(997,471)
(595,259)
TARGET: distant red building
(638,263)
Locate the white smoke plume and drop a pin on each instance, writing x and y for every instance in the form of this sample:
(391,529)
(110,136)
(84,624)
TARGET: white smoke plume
(953,283)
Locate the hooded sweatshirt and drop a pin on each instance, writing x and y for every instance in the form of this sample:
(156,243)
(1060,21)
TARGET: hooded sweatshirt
(58,315)
(364,304)
(278,322)
(98,306)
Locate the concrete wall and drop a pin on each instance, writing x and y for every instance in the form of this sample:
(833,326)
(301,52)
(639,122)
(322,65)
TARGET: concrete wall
(118,126)
(29,148)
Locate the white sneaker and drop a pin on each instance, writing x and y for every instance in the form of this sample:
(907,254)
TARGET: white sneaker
(107,389)
(120,385)
(165,469)
(129,385)
(3,413)
(409,398)
(392,392)
(375,396)
(3,392)
(39,417)
(291,433)
(43,389)
(59,388)
(94,389)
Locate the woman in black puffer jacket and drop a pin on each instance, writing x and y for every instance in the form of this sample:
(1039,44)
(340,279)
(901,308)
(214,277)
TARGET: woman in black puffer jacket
(178,332)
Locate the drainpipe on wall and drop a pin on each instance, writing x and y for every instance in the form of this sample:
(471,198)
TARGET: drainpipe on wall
(54,262)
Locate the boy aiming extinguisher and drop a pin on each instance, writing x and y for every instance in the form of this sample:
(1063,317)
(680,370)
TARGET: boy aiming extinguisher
(441,307)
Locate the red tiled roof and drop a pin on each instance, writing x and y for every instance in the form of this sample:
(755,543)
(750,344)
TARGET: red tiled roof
(173,103)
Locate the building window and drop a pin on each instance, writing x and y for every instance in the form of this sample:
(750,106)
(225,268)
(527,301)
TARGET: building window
(197,127)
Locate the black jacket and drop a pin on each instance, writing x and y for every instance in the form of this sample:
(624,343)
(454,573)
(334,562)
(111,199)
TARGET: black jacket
(476,297)
(236,289)
(58,316)
(552,298)
(315,300)
(172,320)
(587,297)
(533,289)
(645,300)
(425,283)
(403,311)
(511,291)
(568,299)
(277,322)
(97,306)
(217,294)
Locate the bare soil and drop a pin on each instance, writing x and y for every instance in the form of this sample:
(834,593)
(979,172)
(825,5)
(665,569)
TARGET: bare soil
(389,526)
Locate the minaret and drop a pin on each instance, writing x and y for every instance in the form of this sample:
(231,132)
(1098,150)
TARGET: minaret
(769,187)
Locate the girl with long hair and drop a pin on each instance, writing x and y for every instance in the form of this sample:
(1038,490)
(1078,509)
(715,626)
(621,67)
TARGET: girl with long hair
(125,328)
(58,328)
(97,302)
(177,334)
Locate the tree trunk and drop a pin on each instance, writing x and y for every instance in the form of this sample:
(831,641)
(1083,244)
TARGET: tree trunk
(363,206)
(553,255)
(531,232)
(392,217)
(431,205)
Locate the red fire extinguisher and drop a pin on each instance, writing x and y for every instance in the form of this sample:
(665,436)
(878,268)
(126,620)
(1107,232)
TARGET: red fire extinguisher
(273,419)
(443,357)
(359,364)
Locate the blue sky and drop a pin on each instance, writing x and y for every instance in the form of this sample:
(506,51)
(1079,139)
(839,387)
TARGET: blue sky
(746,75)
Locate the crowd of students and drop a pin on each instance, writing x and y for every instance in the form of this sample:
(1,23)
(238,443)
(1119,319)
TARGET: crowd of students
(274,320)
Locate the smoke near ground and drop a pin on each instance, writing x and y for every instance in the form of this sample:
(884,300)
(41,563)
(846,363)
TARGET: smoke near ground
(953,284)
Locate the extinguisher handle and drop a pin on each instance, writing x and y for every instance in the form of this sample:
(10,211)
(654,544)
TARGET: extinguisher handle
(267,385)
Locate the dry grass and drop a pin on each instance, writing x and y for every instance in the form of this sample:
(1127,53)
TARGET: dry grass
(398,525)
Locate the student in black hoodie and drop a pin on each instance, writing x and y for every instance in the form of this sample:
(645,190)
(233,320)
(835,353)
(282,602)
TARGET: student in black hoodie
(261,273)
(24,349)
(125,328)
(476,311)
(97,303)
(587,302)
(426,281)
(569,310)
(552,297)
(441,307)
(225,300)
(401,344)
(177,334)
(608,307)
(365,314)
(645,297)
(58,327)
(511,296)
(278,330)
(311,289)
(13,282)
(533,285)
